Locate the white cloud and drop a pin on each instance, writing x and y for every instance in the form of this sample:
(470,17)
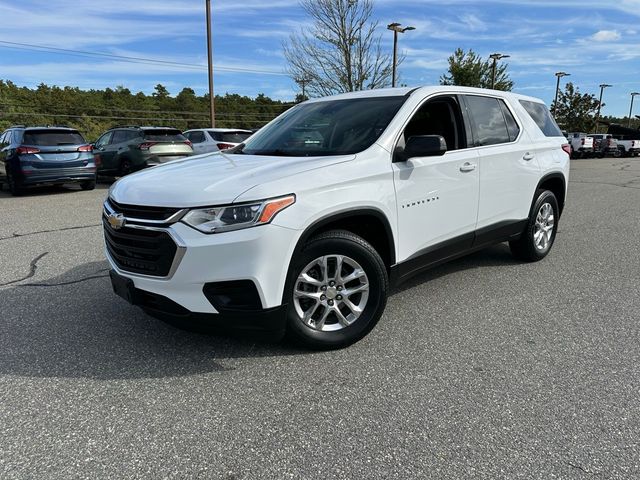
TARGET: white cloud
(606,36)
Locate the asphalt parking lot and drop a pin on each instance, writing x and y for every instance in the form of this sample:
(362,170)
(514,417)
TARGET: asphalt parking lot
(483,368)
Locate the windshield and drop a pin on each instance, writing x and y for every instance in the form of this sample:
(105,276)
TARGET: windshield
(334,127)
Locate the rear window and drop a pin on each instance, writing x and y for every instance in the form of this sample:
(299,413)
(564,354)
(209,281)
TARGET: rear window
(164,135)
(540,114)
(45,138)
(230,137)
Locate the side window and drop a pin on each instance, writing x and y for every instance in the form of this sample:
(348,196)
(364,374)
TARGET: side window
(104,139)
(488,121)
(3,138)
(512,125)
(119,136)
(439,116)
(197,137)
(133,134)
(540,114)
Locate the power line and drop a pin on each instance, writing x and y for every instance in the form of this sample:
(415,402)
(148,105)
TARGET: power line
(129,59)
(106,117)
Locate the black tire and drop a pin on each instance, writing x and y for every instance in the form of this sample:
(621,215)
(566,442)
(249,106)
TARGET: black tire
(338,242)
(525,247)
(14,185)
(125,167)
(88,185)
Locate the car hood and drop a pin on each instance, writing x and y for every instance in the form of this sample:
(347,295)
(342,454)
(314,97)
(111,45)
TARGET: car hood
(211,179)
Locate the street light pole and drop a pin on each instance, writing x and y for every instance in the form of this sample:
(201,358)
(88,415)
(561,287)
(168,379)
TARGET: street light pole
(210,57)
(602,87)
(396,28)
(555,102)
(633,95)
(495,57)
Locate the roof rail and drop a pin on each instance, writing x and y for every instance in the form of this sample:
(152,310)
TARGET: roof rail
(125,126)
(18,126)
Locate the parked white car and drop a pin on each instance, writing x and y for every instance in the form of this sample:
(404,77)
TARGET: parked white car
(215,139)
(306,226)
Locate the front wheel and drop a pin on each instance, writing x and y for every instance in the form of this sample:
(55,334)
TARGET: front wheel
(337,291)
(88,185)
(538,237)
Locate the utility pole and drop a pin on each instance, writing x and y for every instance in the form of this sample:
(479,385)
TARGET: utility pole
(555,102)
(495,57)
(602,87)
(633,95)
(303,81)
(396,28)
(210,56)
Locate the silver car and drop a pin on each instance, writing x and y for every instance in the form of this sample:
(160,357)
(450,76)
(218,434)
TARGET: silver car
(207,140)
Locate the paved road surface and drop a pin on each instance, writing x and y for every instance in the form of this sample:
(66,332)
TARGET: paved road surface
(483,368)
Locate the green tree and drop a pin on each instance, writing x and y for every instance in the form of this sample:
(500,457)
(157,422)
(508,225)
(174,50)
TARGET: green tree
(468,69)
(575,111)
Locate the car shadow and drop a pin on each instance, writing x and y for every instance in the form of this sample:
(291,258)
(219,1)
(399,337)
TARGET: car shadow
(497,255)
(73,326)
(49,190)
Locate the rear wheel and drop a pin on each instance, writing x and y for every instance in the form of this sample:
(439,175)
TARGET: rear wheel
(125,167)
(337,291)
(538,237)
(15,186)
(88,185)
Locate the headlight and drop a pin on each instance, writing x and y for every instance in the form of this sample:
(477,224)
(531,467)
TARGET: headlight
(235,217)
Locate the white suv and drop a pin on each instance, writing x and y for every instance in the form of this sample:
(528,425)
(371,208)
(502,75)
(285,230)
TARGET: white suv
(305,226)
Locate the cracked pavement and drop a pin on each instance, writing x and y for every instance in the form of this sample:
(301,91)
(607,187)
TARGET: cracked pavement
(481,368)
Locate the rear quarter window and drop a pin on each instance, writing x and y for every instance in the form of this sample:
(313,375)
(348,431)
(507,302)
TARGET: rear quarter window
(45,138)
(540,114)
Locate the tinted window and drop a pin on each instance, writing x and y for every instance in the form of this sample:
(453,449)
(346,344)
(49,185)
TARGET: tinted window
(437,117)
(103,140)
(540,114)
(512,126)
(52,137)
(230,137)
(196,137)
(120,136)
(488,121)
(164,135)
(333,127)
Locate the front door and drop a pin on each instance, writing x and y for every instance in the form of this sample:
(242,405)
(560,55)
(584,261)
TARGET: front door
(437,197)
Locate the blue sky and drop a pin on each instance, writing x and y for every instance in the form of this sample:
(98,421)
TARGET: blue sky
(596,41)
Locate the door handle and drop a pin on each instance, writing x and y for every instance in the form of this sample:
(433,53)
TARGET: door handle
(527,157)
(468,167)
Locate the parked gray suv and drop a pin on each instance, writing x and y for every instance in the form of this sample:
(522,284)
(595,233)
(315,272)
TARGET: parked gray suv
(122,150)
(45,155)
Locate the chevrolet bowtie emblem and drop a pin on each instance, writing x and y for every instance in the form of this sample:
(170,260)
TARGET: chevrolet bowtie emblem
(116,220)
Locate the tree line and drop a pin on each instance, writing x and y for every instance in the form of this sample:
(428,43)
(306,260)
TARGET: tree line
(93,112)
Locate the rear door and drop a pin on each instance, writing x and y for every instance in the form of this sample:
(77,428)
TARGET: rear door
(509,170)
(437,197)
(54,150)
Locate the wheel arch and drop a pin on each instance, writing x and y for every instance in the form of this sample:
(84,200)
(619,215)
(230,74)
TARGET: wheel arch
(557,183)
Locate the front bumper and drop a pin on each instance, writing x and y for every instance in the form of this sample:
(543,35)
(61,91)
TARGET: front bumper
(264,322)
(259,254)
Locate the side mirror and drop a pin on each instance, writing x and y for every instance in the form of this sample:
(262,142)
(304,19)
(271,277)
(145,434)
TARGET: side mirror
(423,146)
